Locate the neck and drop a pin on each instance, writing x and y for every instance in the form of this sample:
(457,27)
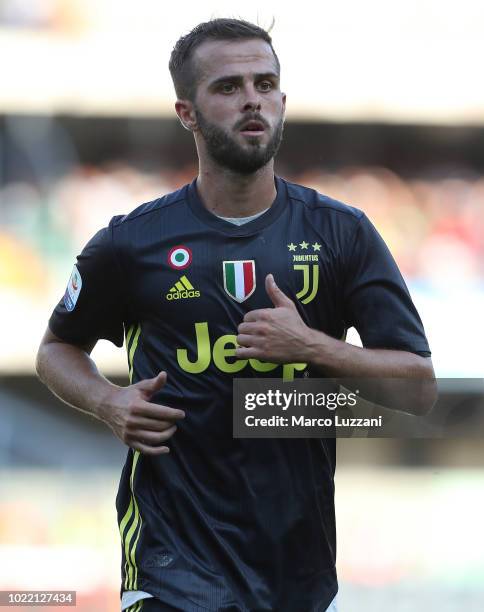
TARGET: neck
(228,194)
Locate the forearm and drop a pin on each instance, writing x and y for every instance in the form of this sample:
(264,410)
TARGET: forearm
(340,359)
(399,380)
(70,373)
(403,380)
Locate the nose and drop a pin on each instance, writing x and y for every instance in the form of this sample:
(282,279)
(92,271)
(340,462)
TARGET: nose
(252,105)
(252,99)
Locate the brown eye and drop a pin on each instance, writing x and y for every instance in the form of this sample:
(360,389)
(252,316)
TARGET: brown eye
(265,85)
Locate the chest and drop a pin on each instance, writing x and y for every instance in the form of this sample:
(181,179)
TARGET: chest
(211,277)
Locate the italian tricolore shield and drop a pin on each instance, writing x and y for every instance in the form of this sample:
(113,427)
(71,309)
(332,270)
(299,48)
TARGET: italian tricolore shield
(239,279)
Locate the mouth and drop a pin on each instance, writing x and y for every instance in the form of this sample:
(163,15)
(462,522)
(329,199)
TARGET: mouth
(252,128)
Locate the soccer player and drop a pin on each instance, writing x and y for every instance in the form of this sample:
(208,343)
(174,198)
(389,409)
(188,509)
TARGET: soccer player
(239,273)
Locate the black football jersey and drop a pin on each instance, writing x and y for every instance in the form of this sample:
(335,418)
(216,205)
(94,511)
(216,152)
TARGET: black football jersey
(224,524)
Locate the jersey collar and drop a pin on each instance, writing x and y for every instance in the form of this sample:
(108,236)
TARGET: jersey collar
(208,218)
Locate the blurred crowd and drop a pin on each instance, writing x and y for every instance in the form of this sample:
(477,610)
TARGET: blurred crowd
(434,228)
(61,16)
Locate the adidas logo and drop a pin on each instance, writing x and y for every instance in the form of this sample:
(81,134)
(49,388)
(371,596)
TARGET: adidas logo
(182,289)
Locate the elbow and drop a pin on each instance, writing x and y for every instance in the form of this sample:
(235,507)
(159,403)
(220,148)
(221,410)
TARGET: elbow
(427,397)
(39,359)
(426,392)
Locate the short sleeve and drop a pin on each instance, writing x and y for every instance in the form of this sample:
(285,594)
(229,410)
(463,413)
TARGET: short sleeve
(93,304)
(376,300)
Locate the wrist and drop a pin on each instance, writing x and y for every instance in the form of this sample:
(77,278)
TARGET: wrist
(106,401)
(322,350)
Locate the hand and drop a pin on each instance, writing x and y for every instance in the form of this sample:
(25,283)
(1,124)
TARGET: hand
(142,425)
(274,334)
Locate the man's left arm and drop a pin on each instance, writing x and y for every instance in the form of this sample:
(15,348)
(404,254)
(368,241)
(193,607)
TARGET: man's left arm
(280,335)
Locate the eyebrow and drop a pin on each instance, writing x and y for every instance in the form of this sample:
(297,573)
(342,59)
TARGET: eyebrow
(237,78)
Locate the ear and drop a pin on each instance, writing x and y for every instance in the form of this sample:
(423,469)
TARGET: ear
(284,103)
(186,113)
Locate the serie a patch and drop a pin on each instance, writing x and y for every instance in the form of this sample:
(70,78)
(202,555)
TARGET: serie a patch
(73,289)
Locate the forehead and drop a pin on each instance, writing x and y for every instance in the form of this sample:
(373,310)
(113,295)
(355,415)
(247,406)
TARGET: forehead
(216,58)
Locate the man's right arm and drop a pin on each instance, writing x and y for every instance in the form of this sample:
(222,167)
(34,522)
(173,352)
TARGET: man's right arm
(69,372)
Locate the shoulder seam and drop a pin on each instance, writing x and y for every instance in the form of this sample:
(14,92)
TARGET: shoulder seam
(355,212)
(156,206)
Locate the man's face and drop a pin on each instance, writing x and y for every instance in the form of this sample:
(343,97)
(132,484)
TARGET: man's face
(238,104)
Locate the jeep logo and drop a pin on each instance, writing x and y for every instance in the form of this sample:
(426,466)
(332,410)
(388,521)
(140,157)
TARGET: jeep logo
(223,355)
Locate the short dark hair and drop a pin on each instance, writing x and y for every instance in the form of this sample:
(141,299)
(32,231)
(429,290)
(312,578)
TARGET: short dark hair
(181,65)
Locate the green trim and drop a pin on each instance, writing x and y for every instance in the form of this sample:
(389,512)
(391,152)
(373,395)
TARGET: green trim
(130,562)
(133,553)
(128,335)
(130,567)
(132,351)
(127,517)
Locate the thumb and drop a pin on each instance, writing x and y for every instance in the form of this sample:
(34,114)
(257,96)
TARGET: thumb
(152,385)
(278,298)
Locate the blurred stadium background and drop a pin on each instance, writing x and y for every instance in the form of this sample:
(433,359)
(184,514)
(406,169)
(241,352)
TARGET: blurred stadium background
(386,112)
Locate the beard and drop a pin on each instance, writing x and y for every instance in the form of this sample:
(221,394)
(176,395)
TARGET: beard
(228,153)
